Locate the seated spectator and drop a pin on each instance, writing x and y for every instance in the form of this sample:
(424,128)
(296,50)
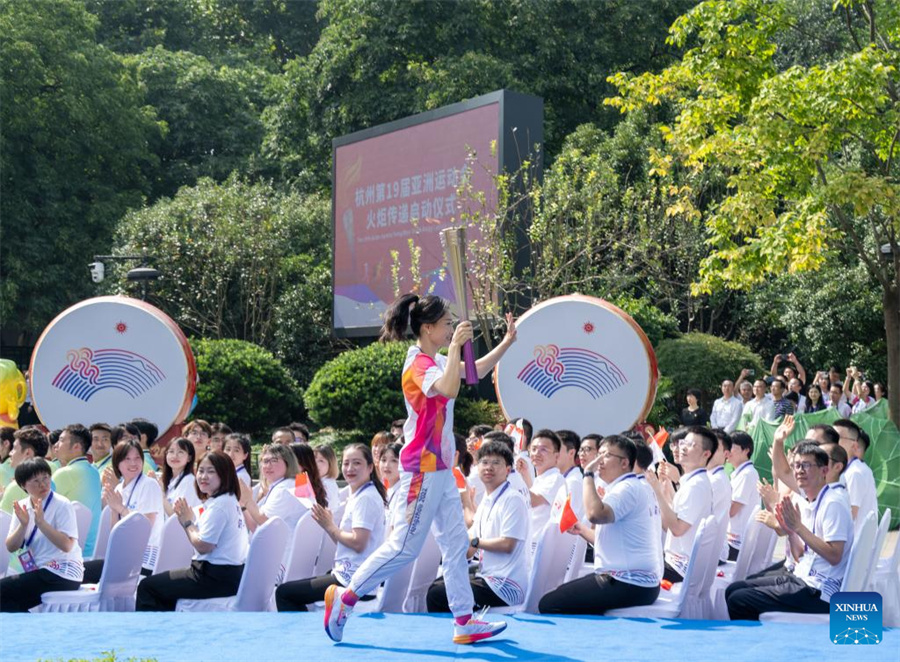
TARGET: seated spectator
(544,451)
(177,479)
(515,478)
(360,533)
(397,429)
(28,443)
(588,449)
(45,537)
(475,437)
(147,434)
(820,536)
(327,462)
(858,477)
(198,432)
(275,498)
(389,470)
(626,541)
(379,441)
(53,439)
(570,471)
(814,401)
(306,463)
(77,479)
(101,445)
(694,414)
(682,512)
(497,537)
(284,436)
(726,411)
(129,490)
(721,486)
(237,447)
(744,496)
(218,536)
(301,432)
(217,437)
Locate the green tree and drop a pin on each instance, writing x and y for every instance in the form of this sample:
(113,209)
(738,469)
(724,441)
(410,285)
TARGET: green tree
(75,153)
(809,152)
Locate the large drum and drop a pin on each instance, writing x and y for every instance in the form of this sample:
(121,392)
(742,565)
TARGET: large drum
(580,363)
(112,359)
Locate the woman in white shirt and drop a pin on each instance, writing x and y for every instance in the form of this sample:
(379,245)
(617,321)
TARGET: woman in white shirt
(46,541)
(360,532)
(327,463)
(133,493)
(389,471)
(306,463)
(178,475)
(218,536)
(278,469)
(237,447)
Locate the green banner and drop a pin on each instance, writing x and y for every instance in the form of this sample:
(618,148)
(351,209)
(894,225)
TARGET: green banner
(883,456)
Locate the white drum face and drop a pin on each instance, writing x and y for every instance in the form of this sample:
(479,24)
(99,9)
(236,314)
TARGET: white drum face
(112,359)
(579,364)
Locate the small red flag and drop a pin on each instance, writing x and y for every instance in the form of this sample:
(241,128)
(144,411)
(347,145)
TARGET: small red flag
(661,437)
(302,488)
(387,484)
(568,519)
(460,479)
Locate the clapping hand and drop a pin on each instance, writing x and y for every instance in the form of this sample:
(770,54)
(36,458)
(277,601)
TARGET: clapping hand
(788,515)
(21,513)
(113,499)
(323,517)
(768,494)
(183,511)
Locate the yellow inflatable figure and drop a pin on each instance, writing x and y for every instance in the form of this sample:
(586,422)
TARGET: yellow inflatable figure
(12,393)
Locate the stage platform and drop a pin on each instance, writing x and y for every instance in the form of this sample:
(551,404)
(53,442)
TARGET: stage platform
(272,637)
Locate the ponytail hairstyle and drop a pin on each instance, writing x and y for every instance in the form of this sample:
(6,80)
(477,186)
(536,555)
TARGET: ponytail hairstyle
(410,310)
(367,456)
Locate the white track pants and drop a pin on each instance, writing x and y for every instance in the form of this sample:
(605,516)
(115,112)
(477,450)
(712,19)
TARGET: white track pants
(432,500)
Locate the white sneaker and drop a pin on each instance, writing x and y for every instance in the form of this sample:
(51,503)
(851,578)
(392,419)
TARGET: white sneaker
(336,612)
(477,630)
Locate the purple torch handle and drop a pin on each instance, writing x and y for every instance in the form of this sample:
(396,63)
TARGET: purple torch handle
(469,359)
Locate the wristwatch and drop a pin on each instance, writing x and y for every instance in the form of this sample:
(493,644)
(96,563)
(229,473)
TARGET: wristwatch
(474,542)
(588,474)
(188,525)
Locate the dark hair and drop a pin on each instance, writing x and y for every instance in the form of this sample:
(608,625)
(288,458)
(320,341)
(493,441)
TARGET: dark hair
(33,439)
(831,435)
(285,430)
(552,436)
(394,447)
(643,456)
(103,427)
(225,469)
(306,458)
(116,432)
(497,448)
(410,310)
(528,429)
(723,438)
(148,428)
(399,423)
(302,429)
(834,368)
(624,444)
(884,390)
(80,434)
(31,468)
(594,437)
(367,456)
(220,428)
(196,423)
(570,439)
(382,438)
(710,443)
(743,441)
(8,435)
(863,440)
(696,392)
(53,437)
(849,425)
(501,437)
(465,459)
(836,453)
(793,397)
(479,430)
(811,448)
(244,441)
(120,452)
(167,476)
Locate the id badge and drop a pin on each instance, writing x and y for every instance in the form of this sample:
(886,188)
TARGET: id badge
(26,558)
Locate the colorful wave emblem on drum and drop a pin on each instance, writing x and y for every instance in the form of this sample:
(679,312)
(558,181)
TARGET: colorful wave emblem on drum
(554,368)
(89,371)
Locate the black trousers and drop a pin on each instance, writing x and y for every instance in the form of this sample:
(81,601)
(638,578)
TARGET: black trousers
(672,574)
(93,570)
(595,594)
(436,599)
(772,590)
(733,553)
(202,580)
(294,596)
(22,592)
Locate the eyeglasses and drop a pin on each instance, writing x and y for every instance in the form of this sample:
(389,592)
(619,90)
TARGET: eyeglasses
(586,449)
(605,456)
(805,466)
(270,460)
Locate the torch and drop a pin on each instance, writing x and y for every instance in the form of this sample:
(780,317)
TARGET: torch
(454,243)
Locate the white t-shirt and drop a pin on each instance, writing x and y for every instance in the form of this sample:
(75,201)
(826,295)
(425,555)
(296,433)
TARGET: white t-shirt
(518,484)
(721,490)
(244,475)
(60,515)
(629,548)
(755,410)
(144,495)
(364,510)
(503,514)
(726,413)
(280,501)
(545,485)
(860,482)
(656,516)
(693,502)
(332,493)
(743,490)
(842,407)
(222,524)
(183,487)
(573,478)
(828,517)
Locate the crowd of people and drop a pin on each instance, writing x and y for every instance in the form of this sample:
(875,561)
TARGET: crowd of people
(487,498)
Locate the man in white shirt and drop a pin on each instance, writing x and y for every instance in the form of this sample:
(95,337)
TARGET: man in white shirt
(857,476)
(497,536)
(682,513)
(821,535)
(721,486)
(760,407)
(744,495)
(626,541)
(570,471)
(544,451)
(726,411)
(837,396)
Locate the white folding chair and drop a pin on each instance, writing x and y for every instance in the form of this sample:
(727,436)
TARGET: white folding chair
(306,542)
(175,549)
(552,553)
(854,576)
(83,519)
(887,582)
(328,548)
(575,568)
(880,537)
(102,535)
(118,581)
(390,598)
(737,571)
(5,523)
(687,601)
(257,587)
(424,572)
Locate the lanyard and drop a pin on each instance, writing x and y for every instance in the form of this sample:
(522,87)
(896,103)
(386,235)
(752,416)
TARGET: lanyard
(743,466)
(720,469)
(271,490)
(133,488)
(852,460)
(78,459)
(493,503)
(35,529)
(571,469)
(104,462)
(695,472)
(816,511)
(619,480)
(363,488)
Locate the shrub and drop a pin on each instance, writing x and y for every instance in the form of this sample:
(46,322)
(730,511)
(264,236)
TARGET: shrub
(359,389)
(698,360)
(468,412)
(245,386)
(340,439)
(656,324)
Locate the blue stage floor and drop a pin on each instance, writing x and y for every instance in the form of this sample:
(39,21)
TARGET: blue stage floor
(252,637)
